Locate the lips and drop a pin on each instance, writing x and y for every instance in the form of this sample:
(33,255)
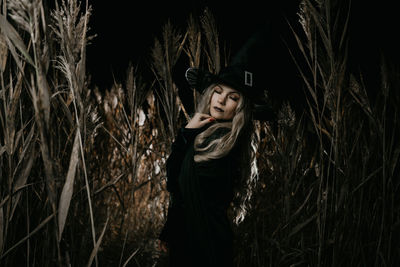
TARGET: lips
(218,109)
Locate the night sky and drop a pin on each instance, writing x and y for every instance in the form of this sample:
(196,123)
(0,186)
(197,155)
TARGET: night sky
(126,32)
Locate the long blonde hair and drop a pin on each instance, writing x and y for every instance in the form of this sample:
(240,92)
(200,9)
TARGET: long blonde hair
(238,133)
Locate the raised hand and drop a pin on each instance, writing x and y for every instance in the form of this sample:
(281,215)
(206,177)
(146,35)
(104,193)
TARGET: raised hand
(199,120)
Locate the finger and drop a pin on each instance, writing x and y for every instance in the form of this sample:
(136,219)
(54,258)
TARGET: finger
(208,120)
(203,116)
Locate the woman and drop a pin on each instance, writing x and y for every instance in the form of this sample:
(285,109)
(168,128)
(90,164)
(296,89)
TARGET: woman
(209,169)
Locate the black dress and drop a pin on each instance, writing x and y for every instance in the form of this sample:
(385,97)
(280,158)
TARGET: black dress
(197,229)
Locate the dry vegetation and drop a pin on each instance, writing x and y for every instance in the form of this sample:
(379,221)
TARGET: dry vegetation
(82,177)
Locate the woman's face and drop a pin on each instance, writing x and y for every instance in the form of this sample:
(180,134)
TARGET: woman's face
(224,101)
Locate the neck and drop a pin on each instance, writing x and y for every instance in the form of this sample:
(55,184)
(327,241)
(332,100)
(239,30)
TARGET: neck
(221,120)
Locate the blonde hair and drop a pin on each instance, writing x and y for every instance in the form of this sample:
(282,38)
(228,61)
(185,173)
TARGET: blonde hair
(238,133)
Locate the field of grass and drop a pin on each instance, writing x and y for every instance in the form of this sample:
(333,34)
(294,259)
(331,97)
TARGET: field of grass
(82,172)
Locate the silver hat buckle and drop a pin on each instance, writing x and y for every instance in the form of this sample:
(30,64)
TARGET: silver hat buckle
(248,78)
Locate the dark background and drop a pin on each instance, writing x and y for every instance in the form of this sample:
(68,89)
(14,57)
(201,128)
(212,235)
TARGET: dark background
(126,29)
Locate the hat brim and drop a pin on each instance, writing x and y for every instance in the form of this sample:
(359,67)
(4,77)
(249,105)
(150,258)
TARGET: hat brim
(199,80)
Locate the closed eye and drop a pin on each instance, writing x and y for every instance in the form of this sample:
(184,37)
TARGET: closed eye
(234,97)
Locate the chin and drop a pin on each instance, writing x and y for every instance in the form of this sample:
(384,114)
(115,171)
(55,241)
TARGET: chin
(222,119)
(217,116)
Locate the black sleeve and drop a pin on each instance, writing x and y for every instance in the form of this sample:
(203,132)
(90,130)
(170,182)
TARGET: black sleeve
(183,139)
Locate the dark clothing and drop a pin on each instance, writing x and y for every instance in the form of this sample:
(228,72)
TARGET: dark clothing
(197,229)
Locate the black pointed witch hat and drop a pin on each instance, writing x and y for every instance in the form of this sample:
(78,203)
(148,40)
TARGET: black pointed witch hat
(244,73)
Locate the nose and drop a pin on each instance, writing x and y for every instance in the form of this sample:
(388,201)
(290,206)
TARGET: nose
(221,99)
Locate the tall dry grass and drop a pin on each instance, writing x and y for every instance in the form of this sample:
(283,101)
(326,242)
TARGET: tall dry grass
(82,177)
(331,173)
(48,124)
